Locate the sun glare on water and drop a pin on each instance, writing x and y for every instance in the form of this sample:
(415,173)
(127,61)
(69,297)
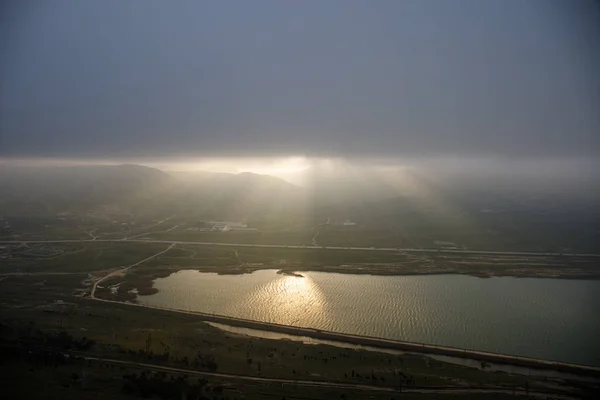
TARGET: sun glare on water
(291,297)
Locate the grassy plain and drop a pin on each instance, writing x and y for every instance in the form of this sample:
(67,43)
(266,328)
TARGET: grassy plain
(77,257)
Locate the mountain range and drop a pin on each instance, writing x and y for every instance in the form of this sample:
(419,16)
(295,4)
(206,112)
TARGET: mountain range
(362,195)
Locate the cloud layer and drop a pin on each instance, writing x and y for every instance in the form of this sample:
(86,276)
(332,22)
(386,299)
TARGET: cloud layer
(116,79)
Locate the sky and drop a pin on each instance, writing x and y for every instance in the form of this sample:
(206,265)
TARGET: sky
(185,80)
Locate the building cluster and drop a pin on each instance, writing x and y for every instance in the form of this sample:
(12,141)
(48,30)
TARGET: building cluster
(222,226)
(448,245)
(225,226)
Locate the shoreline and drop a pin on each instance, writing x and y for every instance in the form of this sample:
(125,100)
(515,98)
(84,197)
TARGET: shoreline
(144,276)
(414,347)
(469,362)
(392,271)
(140,280)
(149,274)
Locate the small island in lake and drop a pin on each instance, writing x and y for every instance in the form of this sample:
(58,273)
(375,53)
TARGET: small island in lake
(290,273)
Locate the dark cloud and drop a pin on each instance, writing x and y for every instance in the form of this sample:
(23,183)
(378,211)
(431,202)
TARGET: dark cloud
(322,78)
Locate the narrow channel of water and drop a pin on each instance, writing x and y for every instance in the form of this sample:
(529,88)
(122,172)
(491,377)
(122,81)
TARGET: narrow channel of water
(551,319)
(512,369)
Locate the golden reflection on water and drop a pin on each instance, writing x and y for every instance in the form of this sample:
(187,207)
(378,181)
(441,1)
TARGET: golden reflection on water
(289,299)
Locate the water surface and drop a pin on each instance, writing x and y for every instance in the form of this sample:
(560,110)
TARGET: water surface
(552,319)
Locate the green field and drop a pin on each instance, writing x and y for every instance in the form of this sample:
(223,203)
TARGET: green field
(246,237)
(77,257)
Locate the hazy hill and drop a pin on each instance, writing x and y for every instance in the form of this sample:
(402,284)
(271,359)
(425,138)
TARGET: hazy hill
(56,189)
(138,189)
(244,196)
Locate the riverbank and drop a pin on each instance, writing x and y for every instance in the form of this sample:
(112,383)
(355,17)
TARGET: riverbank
(420,348)
(467,362)
(374,342)
(140,279)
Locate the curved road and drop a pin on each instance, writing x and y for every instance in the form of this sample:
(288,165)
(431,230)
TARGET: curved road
(123,270)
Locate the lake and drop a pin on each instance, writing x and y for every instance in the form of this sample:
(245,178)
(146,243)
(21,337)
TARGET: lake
(553,319)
